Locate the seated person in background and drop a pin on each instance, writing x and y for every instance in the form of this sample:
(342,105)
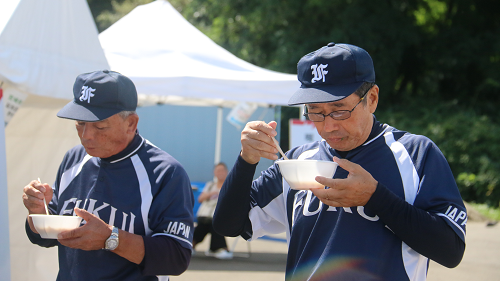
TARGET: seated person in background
(208,199)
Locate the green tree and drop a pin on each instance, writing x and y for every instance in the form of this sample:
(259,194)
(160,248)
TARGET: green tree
(107,12)
(424,48)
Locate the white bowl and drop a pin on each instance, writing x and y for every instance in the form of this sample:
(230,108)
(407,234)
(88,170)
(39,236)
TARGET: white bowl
(300,174)
(49,226)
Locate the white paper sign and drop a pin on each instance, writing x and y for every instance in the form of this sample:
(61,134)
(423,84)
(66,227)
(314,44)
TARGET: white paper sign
(12,99)
(241,113)
(302,132)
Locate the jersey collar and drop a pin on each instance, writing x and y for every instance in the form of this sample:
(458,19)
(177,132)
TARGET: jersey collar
(130,150)
(378,129)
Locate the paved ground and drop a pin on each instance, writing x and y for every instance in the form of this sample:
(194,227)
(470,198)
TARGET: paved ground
(481,259)
(266,261)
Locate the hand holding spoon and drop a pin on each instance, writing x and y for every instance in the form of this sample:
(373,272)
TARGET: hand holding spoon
(44,202)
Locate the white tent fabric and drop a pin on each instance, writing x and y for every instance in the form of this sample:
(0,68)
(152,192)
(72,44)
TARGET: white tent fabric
(36,141)
(59,40)
(170,61)
(44,45)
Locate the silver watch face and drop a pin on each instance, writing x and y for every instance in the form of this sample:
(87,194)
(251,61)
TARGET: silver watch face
(112,243)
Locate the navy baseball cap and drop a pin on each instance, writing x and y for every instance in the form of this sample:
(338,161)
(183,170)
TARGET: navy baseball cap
(332,73)
(99,95)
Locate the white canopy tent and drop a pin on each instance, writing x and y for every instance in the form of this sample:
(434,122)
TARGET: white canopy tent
(170,61)
(44,45)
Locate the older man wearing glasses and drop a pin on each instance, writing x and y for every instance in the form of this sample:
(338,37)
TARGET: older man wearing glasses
(391,206)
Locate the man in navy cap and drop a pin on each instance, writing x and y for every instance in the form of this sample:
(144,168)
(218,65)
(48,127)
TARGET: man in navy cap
(135,199)
(391,206)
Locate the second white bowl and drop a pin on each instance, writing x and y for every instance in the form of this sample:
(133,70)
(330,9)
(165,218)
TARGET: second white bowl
(300,174)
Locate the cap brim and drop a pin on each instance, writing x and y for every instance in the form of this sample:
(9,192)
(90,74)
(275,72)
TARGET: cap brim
(324,94)
(78,112)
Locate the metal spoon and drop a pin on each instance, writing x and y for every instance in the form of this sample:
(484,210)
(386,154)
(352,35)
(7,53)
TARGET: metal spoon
(279,148)
(44,202)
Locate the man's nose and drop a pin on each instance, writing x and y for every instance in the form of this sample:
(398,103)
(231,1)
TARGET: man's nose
(87,132)
(330,124)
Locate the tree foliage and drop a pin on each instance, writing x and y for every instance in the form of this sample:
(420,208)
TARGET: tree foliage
(421,48)
(107,12)
(470,142)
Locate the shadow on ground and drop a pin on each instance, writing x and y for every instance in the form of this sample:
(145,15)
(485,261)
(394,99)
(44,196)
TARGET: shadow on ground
(255,261)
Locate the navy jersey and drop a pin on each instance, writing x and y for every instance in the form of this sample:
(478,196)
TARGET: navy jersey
(328,243)
(142,190)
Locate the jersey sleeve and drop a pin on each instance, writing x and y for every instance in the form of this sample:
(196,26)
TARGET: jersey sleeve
(268,209)
(171,212)
(250,208)
(231,213)
(164,256)
(168,250)
(419,217)
(438,192)
(424,232)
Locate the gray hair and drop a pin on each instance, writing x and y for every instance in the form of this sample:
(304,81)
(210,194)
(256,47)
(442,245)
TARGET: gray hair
(364,88)
(125,114)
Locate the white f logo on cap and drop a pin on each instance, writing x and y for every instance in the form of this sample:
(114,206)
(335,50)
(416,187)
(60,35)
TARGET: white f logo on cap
(86,93)
(319,72)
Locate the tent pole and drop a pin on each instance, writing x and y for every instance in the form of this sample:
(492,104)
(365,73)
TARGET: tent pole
(302,111)
(4,210)
(218,135)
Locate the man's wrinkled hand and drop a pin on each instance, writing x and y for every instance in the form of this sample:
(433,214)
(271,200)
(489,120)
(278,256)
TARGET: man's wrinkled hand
(257,142)
(33,195)
(91,236)
(353,191)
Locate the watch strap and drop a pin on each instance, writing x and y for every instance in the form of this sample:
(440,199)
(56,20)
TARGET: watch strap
(114,232)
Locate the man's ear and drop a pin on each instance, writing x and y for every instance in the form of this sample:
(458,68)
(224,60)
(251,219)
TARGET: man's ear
(372,98)
(132,122)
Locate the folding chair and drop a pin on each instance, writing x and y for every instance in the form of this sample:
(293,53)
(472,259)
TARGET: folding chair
(233,247)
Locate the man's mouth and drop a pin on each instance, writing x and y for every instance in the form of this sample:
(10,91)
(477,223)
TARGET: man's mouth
(336,139)
(88,147)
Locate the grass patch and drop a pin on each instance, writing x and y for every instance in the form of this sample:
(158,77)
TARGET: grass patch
(485,210)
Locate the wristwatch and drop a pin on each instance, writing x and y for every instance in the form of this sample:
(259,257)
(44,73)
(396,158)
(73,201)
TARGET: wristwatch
(112,241)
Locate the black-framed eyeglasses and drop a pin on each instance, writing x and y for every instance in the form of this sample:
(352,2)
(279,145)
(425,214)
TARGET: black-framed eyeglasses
(337,115)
